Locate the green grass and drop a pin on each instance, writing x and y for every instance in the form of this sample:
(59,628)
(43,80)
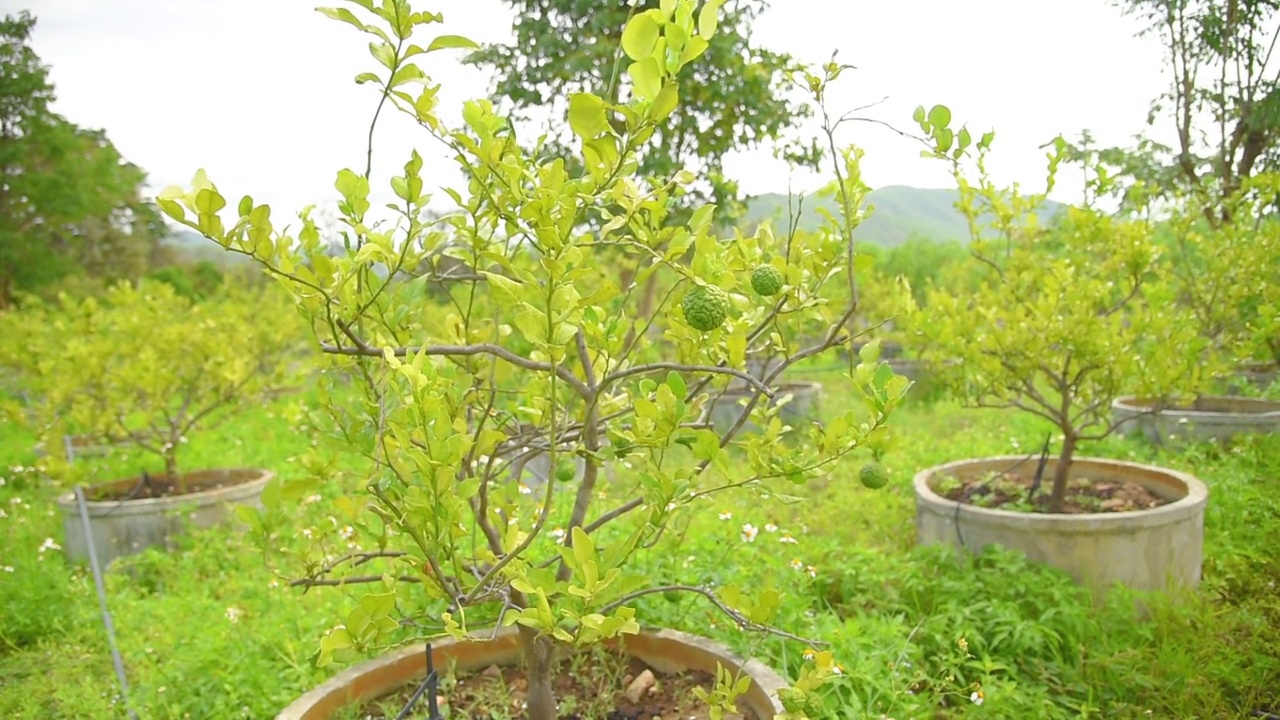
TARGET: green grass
(209,631)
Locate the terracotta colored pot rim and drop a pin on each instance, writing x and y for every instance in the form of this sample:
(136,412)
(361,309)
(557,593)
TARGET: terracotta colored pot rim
(663,649)
(1194,495)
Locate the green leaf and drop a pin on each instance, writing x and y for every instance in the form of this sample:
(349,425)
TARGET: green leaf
(646,78)
(446,42)
(640,37)
(939,116)
(586,115)
(708,17)
(343,15)
(384,53)
(666,101)
(677,385)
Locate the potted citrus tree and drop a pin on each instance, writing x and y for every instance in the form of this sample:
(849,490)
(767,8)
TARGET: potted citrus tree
(147,367)
(1222,275)
(538,351)
(1068,315)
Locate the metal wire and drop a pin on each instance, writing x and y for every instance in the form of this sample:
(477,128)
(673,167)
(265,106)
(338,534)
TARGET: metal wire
(1044,456)
(116,660)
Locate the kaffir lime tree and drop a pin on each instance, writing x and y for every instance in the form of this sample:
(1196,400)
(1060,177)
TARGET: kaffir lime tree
(1069,315)
(537,352)
(1226,272)
(145,366)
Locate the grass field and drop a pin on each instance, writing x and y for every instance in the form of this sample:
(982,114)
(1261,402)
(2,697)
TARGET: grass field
(209,631)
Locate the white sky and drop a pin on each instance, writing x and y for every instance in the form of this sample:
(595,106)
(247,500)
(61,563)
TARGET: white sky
(260,92)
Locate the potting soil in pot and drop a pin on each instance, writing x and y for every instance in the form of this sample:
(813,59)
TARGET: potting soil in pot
(593,686)
(159,485)
(1012,491)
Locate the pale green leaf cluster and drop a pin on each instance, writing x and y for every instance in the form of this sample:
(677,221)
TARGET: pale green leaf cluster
(497,333)
(145,366)
(1070,315)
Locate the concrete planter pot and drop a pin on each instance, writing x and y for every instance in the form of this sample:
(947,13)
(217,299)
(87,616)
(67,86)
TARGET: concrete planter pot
(1258,375)
(125,527)
(1157,549)
(666,651)
(1210,416)
(802,408)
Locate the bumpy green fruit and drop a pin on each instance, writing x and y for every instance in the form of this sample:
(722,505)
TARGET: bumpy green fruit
(814,707)
(766,280)
(793,699)
(873,475)
(705,307)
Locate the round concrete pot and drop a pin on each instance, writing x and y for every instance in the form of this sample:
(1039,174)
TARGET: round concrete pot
(124,527)
(666,651)
(1155,549)
(1210,416)
(1259,375)
(801,409)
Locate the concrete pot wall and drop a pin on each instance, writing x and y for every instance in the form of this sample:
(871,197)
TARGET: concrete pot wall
(1210,416)
(1156,549)
(125,527)
(666,651)
(1257,375)
(801,409)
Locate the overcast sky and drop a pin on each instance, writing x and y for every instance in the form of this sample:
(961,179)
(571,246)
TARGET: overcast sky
(260,92)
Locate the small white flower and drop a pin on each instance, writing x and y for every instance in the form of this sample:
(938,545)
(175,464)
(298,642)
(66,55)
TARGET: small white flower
(3,514)
(797,565)
(749,533)
(273,584)
(306,532)
(346,532)
(49,544)
(525,489)
(787,539)
(15,501)
(315,498)
(837,670)
(7,568)
(770,527)
(558,534)
(813,571)
(726,515)
(671,506)
(976,697)
(234,613)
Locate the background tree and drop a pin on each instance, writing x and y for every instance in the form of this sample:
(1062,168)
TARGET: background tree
(732,98)
(1223,96)
(68,200)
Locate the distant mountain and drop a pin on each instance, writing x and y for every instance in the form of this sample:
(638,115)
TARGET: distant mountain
(191,247)
(901,212)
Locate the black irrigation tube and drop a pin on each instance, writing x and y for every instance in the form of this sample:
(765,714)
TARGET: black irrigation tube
(1035,485)
(429,687)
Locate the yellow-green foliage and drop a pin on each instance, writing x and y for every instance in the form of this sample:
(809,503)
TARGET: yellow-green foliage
(1067,317)
(146,366)
(541,350)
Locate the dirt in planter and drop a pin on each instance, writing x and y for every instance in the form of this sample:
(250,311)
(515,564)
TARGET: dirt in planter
(161,485)
(591,686)
(1012,491)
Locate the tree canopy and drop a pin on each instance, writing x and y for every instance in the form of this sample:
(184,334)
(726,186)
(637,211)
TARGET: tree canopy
(68,201)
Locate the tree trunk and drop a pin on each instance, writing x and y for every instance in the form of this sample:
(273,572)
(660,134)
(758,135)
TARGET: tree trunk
(539,659)
(171,471)
(1058,501)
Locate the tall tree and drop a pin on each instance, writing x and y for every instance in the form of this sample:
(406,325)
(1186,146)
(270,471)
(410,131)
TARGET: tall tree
(1223,97)
(731,98)
(68,200)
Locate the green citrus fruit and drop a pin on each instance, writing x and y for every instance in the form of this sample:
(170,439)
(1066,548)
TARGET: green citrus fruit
(565,471)
(793,699)
(766,280)
(873,475)
(705,307)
